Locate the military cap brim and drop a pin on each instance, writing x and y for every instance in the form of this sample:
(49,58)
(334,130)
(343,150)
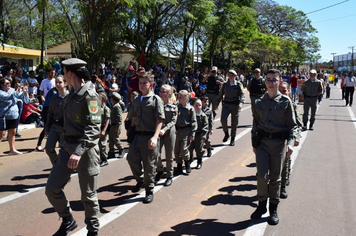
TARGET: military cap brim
(74,62)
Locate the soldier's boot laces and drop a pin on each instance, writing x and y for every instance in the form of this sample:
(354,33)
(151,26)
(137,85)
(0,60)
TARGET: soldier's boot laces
(273,217)
(261,209)
(68,224)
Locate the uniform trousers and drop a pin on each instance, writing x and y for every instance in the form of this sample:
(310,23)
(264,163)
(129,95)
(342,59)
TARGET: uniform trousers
(228,109)
(114,138)
(213,99)
(270,156)
(103,141)
(88,175)
(55,135)
(143,161)
(198,146)
(181,148)
(168,140)
(207,141)
(309,103)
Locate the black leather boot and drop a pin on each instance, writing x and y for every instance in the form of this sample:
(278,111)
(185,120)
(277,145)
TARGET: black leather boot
(226,137)
(232,141)
(187,167)
(68,224)
(261,209)
(179,169)
(283,193)
(273,217)
(158,176)
(199,164)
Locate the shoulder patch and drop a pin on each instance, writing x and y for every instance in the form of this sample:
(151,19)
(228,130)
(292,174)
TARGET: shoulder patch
(93,107)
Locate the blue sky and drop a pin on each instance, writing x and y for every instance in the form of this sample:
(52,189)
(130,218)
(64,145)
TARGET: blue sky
(336,25)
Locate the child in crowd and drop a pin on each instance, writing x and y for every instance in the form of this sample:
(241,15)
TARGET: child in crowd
(167,134)
(209,114)
(115,129)
(201,133)
(147,118)
(105,120)
(328,90)
(186,127)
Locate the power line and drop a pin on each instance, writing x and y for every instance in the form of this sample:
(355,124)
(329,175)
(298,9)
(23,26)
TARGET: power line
(334,19)
(327,7)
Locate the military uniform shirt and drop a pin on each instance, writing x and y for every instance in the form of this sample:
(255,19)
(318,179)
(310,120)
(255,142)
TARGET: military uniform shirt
(105,114)
(232,93)
(55,110)
(274,115)
(116,114)
(82,117)
(170,113)
(147,112)
(209,114)
(203,127)
(186,117)
(312,89)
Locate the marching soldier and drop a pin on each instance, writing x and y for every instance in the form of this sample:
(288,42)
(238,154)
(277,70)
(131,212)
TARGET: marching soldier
(79,151)
(272,141)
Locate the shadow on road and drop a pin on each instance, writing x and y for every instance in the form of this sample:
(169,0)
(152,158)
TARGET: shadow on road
(206,227)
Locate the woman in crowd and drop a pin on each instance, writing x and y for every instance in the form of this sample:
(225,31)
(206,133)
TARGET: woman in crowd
(8,109)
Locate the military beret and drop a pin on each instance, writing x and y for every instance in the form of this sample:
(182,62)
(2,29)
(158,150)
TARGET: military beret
(116,96)
(74,62)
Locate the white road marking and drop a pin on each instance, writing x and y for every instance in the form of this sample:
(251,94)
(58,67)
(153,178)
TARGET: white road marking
(121,209)
(352,115)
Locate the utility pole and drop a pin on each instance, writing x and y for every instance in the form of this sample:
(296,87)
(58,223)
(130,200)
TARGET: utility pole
(333,53)
(352,58)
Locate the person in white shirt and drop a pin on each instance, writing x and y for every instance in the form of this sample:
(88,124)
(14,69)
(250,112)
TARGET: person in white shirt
(32,83)
(47,84)
(349,83)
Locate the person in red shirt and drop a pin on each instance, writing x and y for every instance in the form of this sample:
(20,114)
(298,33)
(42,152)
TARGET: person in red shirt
(294,85)
(31,114)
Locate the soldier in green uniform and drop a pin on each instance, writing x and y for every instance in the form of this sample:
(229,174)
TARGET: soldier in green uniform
(54,124)
(167,134)
(200,135)
(284,89)
(105,120)
(147,117)
(232,97)
(79,150)
(272,141)
(311,89)
(115,128)
(186,127)
(256,87)
(209,114)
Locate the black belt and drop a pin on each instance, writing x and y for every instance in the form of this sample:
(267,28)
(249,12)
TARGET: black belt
(72,139)
(232,103)
(282,136)
(144,133)
(311,96)
(183,127)
(58,122)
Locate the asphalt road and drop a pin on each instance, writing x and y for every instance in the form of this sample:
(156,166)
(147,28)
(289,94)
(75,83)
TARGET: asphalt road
(216,200)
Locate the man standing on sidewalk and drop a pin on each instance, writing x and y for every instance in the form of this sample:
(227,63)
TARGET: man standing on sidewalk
(311,89)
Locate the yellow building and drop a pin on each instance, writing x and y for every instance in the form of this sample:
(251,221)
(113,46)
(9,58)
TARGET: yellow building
(10,53)
(63,49)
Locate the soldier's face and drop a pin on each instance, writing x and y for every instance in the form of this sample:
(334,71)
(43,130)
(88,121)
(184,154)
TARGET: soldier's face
(144,86)
(205,103)
(283,90)
(197,106)
(272,81)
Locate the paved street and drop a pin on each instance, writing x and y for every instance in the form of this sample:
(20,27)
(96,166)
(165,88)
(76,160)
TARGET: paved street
(216,200)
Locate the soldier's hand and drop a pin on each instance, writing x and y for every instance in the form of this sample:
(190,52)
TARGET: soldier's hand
(240,107)
(202,138)
(289,151)
(211,132)
(191,138)
(152,143)
(102,134)
(296,143)
(73,161)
